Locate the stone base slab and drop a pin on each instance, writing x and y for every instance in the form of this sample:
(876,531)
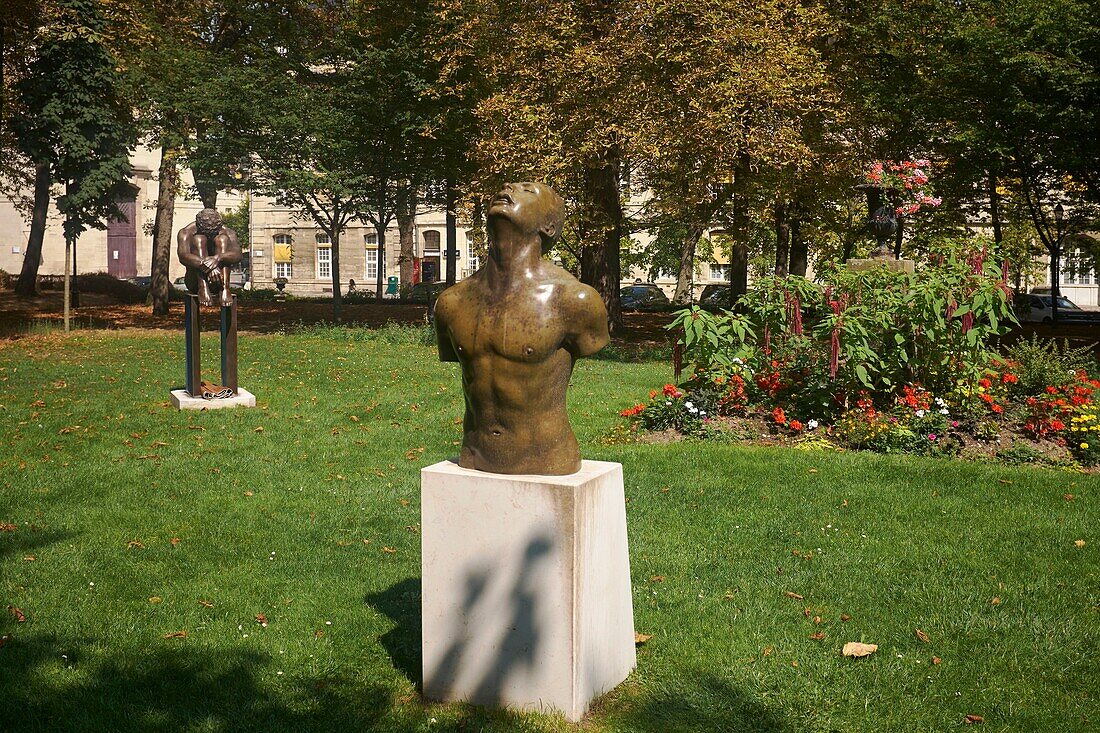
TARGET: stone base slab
(184,401)
(890,263)
(526,598)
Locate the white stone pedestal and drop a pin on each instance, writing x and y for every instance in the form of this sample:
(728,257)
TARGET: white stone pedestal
(526,587)
(184,401)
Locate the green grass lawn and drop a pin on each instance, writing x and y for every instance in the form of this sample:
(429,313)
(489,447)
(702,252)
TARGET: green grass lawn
(133,522)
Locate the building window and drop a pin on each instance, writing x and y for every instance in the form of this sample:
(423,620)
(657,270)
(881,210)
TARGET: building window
(719,272)
(372,265)
(431,243)
(284,253)
(473,263)
(324,256)
(1076,270)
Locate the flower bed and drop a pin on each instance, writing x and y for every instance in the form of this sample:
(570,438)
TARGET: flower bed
(880,361)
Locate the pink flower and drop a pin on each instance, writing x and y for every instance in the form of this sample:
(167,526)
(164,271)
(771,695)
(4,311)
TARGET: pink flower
(932,438)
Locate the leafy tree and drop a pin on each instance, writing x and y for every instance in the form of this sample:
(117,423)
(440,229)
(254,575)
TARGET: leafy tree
(77,122)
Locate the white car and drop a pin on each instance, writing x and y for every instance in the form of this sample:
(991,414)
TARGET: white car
(1038,306)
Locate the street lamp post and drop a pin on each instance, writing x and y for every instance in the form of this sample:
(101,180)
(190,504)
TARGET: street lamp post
(1056,260)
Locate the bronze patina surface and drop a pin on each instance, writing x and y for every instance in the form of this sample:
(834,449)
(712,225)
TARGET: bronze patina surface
(516,327)
(208,248)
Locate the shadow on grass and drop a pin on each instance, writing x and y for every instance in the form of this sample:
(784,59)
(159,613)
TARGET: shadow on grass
(401,604)
(707,703)
(71,685)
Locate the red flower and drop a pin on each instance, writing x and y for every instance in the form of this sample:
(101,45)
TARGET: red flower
(795,425)
(779,416)
(632,411)
(1057,425)
(1009,379)
(671,391)
(997,409)
(1052,390)
(985,383)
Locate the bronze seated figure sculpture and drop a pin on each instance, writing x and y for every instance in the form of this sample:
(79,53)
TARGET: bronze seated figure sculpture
(517,327)
(209,248)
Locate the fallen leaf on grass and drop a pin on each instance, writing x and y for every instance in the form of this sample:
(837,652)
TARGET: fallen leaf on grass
(318,633)
(1004,481)
(656,579)
(972,719)
(403,502)
(258,430)
(729,595)
(175,541)
(132,544)
(5,639)
(936,660)
(176,635)
(29,558)
(792,594)
(261,619)
(1078,543)
(923,636)
(20,617)
(813,470)
(845,617)
(1067,497)
(858,649)
(996,601)
(640,639)
(158,444)
(205,604)
(7,527)
(248,493)
(817,635)
(388,550)
(817,619)
(155,599)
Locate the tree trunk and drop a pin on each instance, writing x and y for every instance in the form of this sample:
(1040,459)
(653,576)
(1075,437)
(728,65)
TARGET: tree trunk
(994,208)
(67,297)
(600,260)
(167,187)
(800,254)
(899,237)
(452,234)
(739,231)
(28,275)
(74,290)
(406,218)
(1055,272)
(337,297)
(380,228)
(207,190)
(782,238)
(684,294)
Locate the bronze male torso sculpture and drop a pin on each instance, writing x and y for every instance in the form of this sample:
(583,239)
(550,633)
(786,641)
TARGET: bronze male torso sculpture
(516,327)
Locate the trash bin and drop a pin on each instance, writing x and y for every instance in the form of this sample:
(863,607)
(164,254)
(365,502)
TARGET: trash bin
(391,286)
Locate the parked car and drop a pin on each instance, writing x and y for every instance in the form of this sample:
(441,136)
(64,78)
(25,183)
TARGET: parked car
(1036,308)
(643,297)
(426,292)
(180,284)
(715,297)
(144,281)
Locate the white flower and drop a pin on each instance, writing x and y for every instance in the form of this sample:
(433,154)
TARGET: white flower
(737,360)
(945,411)
(668,402)
(688,404)
(811,425)
(702,413)
(919,413)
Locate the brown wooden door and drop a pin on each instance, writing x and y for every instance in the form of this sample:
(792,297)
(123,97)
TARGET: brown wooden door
(122,242)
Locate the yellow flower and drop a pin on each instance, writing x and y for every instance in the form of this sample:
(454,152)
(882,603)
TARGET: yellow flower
(1084,446)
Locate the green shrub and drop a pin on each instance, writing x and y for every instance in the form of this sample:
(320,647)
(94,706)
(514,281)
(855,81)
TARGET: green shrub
(1040,363)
